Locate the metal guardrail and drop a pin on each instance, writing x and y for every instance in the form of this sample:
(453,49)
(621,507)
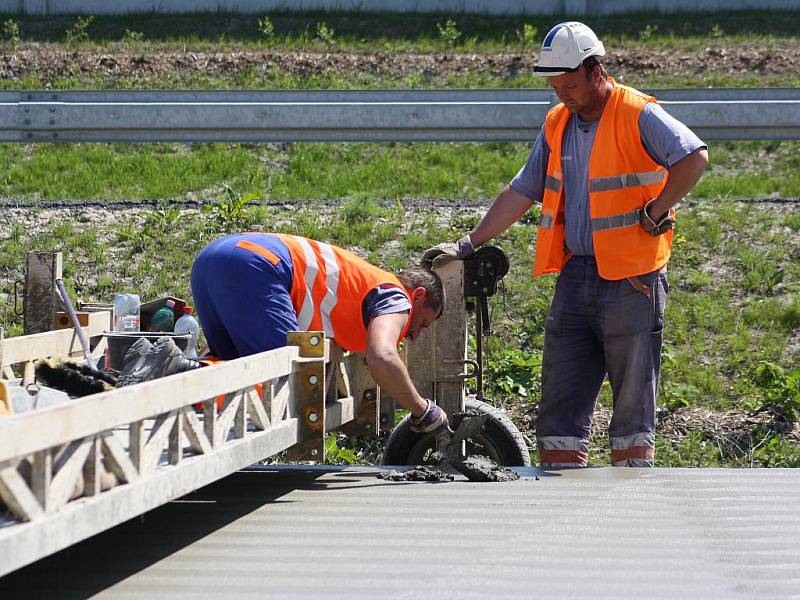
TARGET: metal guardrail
(359,115)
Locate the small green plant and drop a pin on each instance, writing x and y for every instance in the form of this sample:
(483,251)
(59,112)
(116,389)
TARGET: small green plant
(336,454)
(716,31)
(131,38)
(678,395)
(11,35)
(528,36)
(761,272)
(325,33)
(164,218)
(140,238)
(646,34)
(305,36)
(78,32)
(267,28)
(792,222)
(514,373)
(361,209)
(17,233)
(782,390)
(230,214)
(449,33)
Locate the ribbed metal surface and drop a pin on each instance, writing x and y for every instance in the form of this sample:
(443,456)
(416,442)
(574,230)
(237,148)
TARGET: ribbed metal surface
(358,115)
(317,533)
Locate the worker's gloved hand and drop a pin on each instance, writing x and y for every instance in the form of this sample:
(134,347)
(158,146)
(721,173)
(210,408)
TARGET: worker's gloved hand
(433,419)
(448,251)
(658,226)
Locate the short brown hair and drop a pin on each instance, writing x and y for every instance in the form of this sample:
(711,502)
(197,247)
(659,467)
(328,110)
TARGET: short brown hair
(589,63)
(428,280)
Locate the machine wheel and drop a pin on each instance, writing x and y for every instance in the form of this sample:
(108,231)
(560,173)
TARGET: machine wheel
(499,439)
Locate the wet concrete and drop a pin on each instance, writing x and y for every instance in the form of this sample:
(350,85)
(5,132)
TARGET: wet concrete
(418,473)
(474,468)
(481,468)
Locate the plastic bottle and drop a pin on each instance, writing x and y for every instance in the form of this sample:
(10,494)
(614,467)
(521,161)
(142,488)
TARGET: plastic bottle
(127,316)
(188,324)
(164,318)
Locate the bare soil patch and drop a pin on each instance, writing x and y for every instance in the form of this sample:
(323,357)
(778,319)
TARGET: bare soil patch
(49,64)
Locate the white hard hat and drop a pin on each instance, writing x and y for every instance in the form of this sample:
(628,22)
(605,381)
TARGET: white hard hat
(565,47)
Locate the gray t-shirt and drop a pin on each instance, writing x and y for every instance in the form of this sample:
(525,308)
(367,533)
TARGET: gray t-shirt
(665,139)
(384,300)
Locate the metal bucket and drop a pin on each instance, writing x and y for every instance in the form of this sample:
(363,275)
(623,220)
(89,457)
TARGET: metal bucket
(118,342)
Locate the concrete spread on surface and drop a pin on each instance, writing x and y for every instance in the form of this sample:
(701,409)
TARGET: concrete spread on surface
(329,532)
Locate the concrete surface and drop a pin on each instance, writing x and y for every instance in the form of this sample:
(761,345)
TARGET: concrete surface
(301,532)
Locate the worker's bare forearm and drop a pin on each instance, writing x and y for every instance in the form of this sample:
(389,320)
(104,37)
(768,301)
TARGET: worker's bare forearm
(507,209)
(385,364)
(391,375)
(683,176)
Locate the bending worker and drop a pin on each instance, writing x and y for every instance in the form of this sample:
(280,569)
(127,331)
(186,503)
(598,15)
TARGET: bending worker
(251,289)
(608,166)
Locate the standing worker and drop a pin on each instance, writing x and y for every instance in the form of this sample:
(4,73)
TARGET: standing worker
(251,289)
(608,166)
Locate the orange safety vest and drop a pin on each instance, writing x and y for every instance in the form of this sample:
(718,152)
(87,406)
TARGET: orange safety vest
(622,179)
(329,288)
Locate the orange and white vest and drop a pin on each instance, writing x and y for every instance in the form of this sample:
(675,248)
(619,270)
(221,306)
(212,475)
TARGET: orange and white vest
(622,179)
(329,288)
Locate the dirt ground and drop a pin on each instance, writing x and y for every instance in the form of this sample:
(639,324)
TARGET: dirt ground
(49,64)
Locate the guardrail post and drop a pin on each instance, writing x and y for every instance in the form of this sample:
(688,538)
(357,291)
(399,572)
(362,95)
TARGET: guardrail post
(309,392)
(39,296)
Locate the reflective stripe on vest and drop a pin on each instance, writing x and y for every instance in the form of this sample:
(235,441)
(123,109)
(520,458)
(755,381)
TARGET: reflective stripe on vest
(306,314)
(332,283)
(553,184)
(329,286)
(312,268)
(546,220)
(616,221)
(604,184)
(623,177)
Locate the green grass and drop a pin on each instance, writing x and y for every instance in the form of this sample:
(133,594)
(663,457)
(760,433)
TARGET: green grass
(121,171)
(317,171)
(402,32)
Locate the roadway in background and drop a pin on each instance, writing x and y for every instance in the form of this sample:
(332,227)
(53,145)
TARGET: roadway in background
(574,8)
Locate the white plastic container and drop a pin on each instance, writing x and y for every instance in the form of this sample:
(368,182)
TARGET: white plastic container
(188,324)
(127,312)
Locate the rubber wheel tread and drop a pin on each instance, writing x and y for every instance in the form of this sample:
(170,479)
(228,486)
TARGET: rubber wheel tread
(404,445)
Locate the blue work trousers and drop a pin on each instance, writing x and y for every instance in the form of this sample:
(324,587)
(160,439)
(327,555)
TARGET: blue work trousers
(242,298)
(597,328)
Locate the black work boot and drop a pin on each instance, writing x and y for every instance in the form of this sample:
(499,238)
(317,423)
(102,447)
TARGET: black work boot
(163,359)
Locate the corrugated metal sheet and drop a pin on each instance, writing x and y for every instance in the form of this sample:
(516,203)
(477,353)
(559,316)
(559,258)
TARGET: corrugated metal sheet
(332,533)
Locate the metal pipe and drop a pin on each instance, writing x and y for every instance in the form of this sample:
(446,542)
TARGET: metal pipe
(75,324)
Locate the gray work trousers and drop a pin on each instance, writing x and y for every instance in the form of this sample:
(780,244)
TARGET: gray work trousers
(597,328)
